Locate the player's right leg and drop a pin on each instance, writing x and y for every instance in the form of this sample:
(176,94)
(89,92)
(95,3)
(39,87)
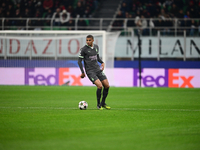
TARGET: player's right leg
(98,93)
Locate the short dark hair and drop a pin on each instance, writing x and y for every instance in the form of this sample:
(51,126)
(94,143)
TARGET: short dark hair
(90,36)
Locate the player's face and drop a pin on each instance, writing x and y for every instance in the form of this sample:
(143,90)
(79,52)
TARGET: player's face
(89,41)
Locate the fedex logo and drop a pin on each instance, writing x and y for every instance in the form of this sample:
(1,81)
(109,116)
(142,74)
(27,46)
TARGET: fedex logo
(52,76)
(183,78)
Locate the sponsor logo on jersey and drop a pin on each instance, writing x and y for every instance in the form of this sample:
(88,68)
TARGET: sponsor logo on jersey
(93,57)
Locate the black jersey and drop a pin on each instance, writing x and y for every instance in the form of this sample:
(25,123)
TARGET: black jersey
(91,58)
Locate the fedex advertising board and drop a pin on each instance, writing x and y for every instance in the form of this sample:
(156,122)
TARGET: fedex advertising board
(119,77)
(53,76)
(71,76)
(183,78)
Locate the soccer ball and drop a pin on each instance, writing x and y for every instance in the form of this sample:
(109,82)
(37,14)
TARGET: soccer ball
(83,105)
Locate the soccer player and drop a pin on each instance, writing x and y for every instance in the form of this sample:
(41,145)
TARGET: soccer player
(90,54)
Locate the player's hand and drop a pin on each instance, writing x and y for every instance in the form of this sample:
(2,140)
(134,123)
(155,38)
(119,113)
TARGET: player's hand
(82,75)
(102,66)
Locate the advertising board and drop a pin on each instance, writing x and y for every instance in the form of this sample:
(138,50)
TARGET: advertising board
(119,77)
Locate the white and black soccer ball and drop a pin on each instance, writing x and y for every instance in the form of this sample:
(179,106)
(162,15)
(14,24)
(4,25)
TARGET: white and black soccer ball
(83,105)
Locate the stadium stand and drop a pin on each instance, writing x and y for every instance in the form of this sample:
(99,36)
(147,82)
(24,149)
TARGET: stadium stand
(162,15)
(18,10)
(163,12)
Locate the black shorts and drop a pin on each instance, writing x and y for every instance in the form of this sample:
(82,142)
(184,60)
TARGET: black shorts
(93,76)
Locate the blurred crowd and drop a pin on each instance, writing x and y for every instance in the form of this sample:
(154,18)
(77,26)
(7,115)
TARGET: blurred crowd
(60,11)
(160,14)
(157,14)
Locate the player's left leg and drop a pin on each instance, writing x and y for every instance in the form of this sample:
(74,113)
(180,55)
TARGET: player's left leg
(105,93)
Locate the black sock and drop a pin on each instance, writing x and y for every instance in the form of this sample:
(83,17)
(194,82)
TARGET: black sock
(105,93)
(98,96)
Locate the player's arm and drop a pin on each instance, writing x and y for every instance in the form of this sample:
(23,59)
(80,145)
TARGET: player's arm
(99,60)
(102,63)
(81,57)
(81,67)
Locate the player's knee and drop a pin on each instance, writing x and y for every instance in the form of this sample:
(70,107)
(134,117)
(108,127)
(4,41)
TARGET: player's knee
(99,86)
(106,86)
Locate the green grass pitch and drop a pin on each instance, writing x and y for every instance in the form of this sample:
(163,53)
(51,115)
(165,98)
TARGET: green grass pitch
(48,118)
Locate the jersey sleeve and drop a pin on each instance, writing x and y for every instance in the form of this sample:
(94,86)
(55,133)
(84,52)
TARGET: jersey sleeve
(81,54)
(81,57)
(97,49)
(98,58)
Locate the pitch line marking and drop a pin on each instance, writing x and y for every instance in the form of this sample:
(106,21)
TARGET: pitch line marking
(67,108)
